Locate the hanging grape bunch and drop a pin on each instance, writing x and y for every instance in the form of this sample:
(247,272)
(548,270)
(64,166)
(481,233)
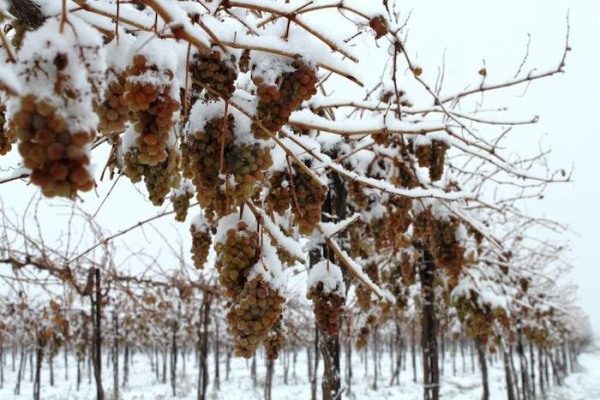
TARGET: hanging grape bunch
(279,97)
(360,237)
(327,292)
(248,272)
(255,310)
(360,240)
(445,247)
(280,196)
(201,241)
(149,93)
(363,294)
(399,274)
(247,164)
(369,325)
(58,158)
(235,256)
(216,71)
(274,341)
(357,194)
(54,121)
(159,178)
(431,153)
(80,336)
(244,62)
(388,216)
(388,231)
(399,209)
(148,146)
(201,152)
(224,162)
(422,224)
(404,175)
(379,26)
(408,269)
(440,234)
(286,257)
(113,111)
(180,198)
(299,192)
(6,135)
(362,338)
(476,316)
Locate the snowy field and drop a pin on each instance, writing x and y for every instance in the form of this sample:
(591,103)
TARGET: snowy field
(582,385)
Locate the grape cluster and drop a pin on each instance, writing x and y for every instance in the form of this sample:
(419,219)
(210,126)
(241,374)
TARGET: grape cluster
(398,277)
(255,306)
(524,284)
(186,291)
(245,163)
(381,138)
(201,161)
(363,294)
(193,95)
(201,241)
(214,72)
(113,111)
(244,62)
(81,336)
(301,188)
(422,225)
(327,308)
(477,318)
(408,269)
(255,310)
(388,231)
(159,178)
(181,203)
(379,26)
(235,256)
(438,156)
(311,196)
(280,196)
(364,332)
(404,175)
(357,194)
(151,108)
(432,156)
(277,101)
(285,256)
(399,213)
(446,249)
(423,154)
(274,341)
(391,276)
(58,158)
(361,241)
(439,235)
(362,339)
(6,134)
(541,337)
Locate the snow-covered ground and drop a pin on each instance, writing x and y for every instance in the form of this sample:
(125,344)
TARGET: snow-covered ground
(582,385)
(585,383)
